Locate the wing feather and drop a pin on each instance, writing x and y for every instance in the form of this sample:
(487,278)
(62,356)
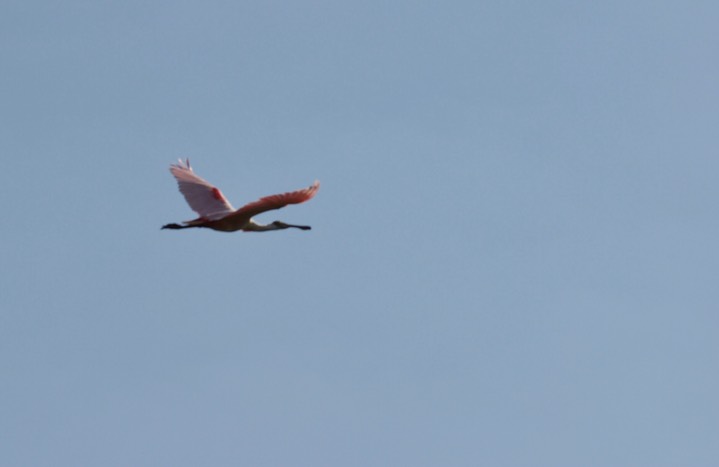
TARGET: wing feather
(268,203)
(204,198)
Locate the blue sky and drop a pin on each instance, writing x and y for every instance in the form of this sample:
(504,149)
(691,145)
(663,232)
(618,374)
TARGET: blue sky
(513,258)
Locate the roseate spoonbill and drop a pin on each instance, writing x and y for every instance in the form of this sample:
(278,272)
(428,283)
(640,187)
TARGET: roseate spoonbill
(218,214)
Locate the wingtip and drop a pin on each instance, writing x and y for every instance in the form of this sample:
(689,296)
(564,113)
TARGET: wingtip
(182,165)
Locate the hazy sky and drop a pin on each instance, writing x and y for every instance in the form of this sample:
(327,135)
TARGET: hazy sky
(513,259)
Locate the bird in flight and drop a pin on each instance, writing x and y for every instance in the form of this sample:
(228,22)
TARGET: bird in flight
(217,213)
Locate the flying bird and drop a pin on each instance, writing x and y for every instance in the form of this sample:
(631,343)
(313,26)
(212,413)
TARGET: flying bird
(217,213)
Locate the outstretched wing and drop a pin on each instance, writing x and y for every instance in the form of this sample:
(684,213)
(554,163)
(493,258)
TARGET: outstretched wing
(205,199)
(268,203)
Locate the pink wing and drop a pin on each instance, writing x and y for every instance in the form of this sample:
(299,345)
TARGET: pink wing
(268,203)
(205,199)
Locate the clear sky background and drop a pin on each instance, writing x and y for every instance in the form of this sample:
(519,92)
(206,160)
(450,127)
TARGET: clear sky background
(513,259)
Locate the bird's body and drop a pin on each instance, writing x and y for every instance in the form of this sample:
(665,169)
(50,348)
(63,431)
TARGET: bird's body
(217,213)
